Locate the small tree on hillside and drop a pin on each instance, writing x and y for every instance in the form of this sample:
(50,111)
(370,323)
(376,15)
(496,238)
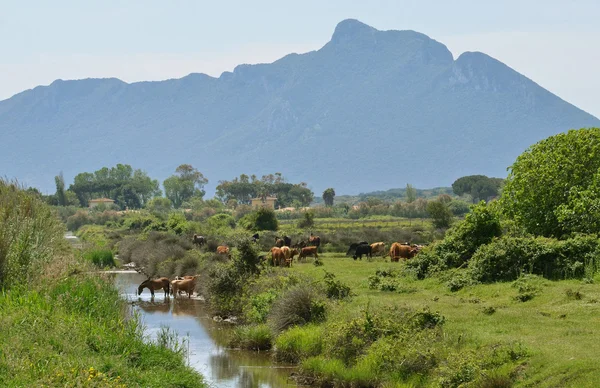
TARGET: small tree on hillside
(440,214)
(328,196)
(308,221)
(411,193)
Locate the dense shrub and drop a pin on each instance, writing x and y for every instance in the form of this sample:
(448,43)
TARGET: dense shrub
(479,227)
(298,306)
(77,220)
(261,219)
(221,221)
(507,258)
(252,337)
(334,288)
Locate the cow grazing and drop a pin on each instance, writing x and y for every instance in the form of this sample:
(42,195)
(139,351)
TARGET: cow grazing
(362,249)
(277,256)
(294,252)
(400,251)
(287,255)
(223,249)
(308,251)
(353,246)
(198,240)
(378,247)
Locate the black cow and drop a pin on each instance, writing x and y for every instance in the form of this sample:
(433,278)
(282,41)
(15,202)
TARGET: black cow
(361,250)
(287,241)
(353,247)
(199,240)
(255,237)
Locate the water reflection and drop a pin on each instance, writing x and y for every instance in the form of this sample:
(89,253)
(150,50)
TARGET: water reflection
(188,317)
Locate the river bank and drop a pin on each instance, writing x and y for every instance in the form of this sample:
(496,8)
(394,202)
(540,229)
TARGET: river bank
(204,338)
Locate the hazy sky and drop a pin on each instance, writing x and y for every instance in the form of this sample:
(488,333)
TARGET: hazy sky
(555,43)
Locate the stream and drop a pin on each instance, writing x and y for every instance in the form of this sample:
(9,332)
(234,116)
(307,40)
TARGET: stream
(191,320)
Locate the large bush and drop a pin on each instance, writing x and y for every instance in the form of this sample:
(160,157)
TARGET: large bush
(552,187)
(261,219)
(479,227)
(508,257)
(30,234)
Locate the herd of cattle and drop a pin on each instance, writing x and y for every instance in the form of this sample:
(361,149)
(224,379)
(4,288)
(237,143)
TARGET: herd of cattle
(284,251)
(174,287)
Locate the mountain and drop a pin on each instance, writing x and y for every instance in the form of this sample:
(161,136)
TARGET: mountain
(369,110)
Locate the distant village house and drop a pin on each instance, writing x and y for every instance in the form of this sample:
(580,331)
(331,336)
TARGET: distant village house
(100,201)
(268,202)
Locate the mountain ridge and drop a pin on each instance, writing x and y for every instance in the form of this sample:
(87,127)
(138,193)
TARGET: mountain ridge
(369,110)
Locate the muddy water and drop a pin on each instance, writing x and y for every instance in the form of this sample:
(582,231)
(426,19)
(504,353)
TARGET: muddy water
(190,319)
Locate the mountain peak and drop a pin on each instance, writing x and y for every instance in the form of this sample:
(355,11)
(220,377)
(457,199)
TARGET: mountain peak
(350,28)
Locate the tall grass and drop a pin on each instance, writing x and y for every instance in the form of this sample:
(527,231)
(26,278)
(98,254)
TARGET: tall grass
(30,234)
(100,257)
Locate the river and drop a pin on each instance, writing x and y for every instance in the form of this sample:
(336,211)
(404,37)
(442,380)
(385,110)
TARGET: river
(191,320)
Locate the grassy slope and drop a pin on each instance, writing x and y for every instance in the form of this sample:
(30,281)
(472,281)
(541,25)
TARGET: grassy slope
(75,333)
(560,332)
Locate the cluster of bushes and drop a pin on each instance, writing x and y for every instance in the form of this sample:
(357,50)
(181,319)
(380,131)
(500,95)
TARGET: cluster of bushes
(392,346)
(493,253)
(388,280)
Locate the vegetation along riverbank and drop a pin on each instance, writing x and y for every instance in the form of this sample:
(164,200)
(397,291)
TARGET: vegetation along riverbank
(63,325)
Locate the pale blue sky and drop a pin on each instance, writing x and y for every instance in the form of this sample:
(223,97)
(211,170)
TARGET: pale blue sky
(556,43)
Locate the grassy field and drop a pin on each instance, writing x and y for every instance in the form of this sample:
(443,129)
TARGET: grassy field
(559,327)
(346,223)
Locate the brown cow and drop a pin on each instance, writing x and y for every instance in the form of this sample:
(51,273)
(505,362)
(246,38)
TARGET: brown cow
(223,249)
(186,285)
(308,251)
(377,247)
(277,256)
(398,251)
(287,255)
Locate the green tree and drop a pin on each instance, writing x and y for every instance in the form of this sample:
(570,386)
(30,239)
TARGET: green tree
(187,182)
(440,213)
(245,187)
(328,196)
(261,219)
(479,187)
(128,187)
(307,221)
(61,196)
(159,207)
(551,189)
(411,193)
